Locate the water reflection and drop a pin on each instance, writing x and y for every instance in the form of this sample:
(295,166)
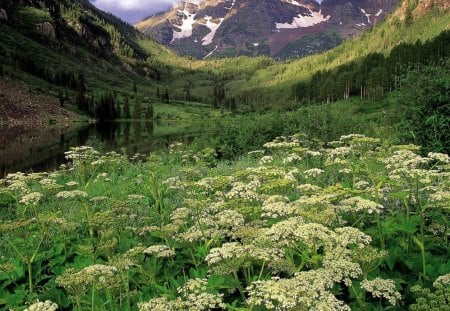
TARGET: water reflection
(25,149)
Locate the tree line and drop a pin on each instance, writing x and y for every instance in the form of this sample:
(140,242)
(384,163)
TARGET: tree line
(374,75)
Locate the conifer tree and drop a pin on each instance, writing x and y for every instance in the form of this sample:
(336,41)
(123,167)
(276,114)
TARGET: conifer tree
(126,108)
(137,113)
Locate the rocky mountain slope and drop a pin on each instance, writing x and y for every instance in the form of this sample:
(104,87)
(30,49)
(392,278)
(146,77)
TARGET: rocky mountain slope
(279,28)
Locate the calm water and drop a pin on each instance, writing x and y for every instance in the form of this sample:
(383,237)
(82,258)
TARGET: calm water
(24,149)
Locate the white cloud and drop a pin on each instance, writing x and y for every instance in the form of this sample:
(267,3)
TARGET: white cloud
(133,10)
(132,5)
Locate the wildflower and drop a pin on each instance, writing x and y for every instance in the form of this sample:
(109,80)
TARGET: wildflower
(345,171)
(20,186)
(314,172)
(43,306)
(159,304)
(308,188)
(244,191)
(99,275)
(160,251)
(350,137)
(71,194)
(32,198)
(380,288)
(49,184)
(72,184)
(99,198)
(308,290)
(265,160)
(357,204)
(98,162)
(312,153)
(256,152)
(441,157)
(443,280)
(135,196)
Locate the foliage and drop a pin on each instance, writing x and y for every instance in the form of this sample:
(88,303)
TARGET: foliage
(423,102)
(299,224)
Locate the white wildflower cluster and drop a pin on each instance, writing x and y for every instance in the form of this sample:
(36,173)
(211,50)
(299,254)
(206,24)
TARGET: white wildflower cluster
(245,191)
(159,251)
(194,296)
(404,159)
(310,290)
(96,275)
(174,183)
(348,138)
(231,256)
(283,142)
(231,250)
(18,182)
(358,204)
(277,207)
(292,158)
(49,184)
(99,198)
(74,194)
(314,172)
(361,184)
(443,280)
(308,188)
(256,152)
(382,288)
(135,196)
(43,306)
(345,171)
(72,184)
(440,157)
(265,160)
(32,198)
(213,222)
(339,153)
(293,231)
(80,154)
(341,269)
(312,153)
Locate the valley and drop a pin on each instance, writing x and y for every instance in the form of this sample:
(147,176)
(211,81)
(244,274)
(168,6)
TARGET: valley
(225,155)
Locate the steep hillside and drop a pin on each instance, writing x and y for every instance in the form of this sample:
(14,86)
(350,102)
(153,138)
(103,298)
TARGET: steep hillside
(421,21)
(279,28)
(72,48)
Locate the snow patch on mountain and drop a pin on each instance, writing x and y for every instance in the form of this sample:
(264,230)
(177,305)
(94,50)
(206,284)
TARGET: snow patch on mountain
(366,14)
(208,39)
(186,27)
(301,21)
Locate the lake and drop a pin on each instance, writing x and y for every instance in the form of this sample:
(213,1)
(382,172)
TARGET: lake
(26,149)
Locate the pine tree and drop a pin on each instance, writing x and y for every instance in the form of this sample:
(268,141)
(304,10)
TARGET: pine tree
(126,108)
(166,96)
(80,100)
(137,113)
(149,112)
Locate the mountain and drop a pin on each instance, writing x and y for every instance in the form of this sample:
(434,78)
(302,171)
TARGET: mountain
(65,47)
(279,28)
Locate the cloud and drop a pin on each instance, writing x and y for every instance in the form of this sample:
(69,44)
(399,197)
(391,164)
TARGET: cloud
(133,10)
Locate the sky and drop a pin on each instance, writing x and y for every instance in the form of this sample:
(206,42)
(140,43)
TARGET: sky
(133,11)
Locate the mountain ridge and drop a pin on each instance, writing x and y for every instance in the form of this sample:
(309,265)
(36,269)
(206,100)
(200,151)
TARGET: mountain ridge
(264,27)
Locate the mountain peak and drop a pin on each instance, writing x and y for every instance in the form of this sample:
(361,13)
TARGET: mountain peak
(279,28)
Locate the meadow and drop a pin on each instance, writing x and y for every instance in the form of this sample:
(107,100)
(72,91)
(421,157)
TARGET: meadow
(297,224)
